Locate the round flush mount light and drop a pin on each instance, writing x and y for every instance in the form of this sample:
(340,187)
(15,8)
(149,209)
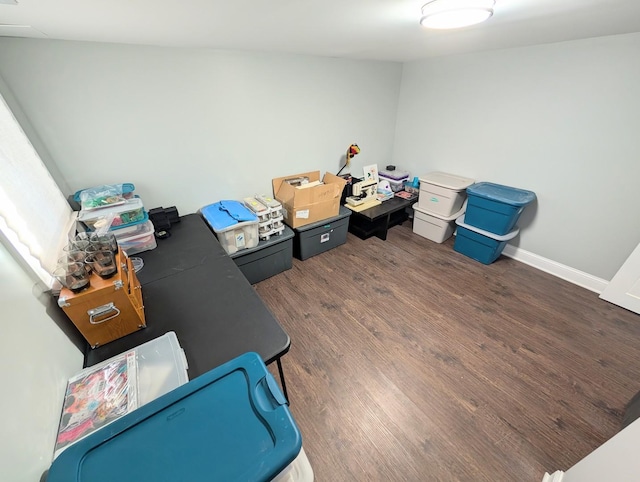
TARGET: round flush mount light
(444,14)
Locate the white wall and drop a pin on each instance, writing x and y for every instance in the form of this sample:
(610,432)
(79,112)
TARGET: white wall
(37,359)
(616,460)
(190,127)
(562,120)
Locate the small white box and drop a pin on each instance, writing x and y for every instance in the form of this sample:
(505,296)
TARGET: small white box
(433,226)
(443,193)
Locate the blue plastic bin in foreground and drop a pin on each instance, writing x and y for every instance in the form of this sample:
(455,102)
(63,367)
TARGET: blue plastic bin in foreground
(230,424)
(494,207)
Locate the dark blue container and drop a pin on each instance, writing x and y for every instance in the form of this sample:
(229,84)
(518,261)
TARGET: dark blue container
(230,424)
(494,207)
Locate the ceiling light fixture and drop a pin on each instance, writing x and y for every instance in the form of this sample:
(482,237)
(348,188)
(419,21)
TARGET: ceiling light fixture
(443,14)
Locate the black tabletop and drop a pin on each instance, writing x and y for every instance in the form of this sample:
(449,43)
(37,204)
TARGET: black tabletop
(390,206)
(190,286)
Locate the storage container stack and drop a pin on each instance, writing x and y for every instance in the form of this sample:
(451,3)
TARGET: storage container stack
(116,209)
(269,212)
(396,178)
(440,202)
(490,221)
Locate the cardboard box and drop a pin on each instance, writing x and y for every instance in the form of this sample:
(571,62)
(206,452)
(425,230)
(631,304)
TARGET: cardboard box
(306,205)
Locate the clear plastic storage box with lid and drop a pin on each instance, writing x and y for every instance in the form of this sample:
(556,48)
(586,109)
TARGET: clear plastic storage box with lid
(395,177)
(235,226)
(136,239)
(442,193)
(125,214)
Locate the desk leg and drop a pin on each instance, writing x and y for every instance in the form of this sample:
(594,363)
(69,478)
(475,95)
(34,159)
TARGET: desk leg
(282,382)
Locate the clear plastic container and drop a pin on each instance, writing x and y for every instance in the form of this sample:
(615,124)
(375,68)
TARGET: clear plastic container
(124,214)
(142,239)
(235,226)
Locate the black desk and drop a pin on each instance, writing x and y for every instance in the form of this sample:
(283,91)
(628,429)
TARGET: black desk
(191,286)
(377,220)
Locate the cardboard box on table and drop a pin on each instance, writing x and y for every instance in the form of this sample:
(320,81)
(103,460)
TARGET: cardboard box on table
(307,205)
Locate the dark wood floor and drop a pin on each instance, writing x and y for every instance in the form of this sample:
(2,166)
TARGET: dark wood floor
(411,362)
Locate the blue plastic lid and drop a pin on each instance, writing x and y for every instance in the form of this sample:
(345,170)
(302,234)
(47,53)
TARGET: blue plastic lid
(500,193)
(223,214)
(127,188)
(230,424)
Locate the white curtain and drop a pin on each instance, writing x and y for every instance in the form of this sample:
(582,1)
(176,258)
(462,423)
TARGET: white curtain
(34,215)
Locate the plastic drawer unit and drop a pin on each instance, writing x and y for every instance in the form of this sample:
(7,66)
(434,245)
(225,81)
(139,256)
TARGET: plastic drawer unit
(229,424)
(235,226)
(321,236)
(494,207)
(268,258)
(478,244)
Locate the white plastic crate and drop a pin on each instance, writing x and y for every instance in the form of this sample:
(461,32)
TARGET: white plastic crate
(443,193)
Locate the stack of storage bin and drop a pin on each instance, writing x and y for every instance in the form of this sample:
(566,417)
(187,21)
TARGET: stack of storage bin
(490,220)
(440,203)
(269,213)
(126,216)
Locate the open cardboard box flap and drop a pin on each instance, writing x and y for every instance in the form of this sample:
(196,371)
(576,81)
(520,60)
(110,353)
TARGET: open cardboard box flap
(312,203)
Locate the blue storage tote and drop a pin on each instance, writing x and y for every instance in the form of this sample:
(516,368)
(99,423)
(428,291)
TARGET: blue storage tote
(495,208)
(479,244)
(235,226)
(230,424)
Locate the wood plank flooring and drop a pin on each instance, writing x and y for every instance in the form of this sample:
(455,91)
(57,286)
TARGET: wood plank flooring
(411,362)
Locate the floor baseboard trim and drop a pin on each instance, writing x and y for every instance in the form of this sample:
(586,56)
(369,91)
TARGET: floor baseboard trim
(580,278)
(555,477)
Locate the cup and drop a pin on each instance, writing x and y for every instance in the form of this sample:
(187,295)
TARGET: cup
(79,243)
(105,241)
(74,276)
(101,261)
(72,256)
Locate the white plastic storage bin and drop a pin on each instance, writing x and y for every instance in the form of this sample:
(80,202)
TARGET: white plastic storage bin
(297,471)
(136,241)
(442,193)
(433,226)
(235,226)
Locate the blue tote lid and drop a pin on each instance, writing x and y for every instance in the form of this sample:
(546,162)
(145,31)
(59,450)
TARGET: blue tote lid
(503,194)
(230,424)
(223,214)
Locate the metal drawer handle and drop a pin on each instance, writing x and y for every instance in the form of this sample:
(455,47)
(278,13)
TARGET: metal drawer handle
(100,311)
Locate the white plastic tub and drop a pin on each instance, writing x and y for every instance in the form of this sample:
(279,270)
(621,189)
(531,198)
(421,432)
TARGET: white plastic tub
(297,471)
(442,193)
(432,226)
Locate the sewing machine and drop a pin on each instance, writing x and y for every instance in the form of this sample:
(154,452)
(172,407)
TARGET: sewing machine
(363,192)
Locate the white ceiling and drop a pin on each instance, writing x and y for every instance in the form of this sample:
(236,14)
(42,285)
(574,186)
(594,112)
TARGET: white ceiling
(354,29)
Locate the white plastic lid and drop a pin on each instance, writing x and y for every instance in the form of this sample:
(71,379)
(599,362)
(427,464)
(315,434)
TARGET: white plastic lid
(440,216)
(504,237)
(448,181)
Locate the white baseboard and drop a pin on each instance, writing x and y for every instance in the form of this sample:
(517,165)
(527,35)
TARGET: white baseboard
(580,278)
(555,477)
